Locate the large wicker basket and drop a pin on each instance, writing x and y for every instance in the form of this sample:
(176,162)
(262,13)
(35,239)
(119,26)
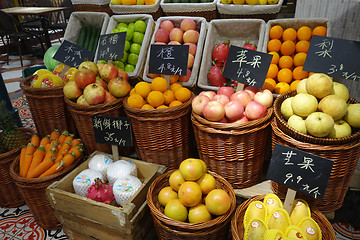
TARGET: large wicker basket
(236,151)
(166,228)
(10,195)
(47,108)
(345,157)
(161,135)
(237,222)
(33,191)
(92,6)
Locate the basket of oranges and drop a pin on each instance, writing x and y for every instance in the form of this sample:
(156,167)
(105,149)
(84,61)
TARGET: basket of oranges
(160,117)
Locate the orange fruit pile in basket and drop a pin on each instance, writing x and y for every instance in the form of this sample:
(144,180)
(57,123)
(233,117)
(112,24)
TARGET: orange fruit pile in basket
(289,48)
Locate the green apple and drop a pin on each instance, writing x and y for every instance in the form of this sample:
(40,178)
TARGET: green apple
(115,30)
(138,37)
(132,58)
(333,105)
(124,57)
(131,26)
(118,64)
(286,109)
(301,86)
(127,45)
(341,90)
(120,25)
(319,85)
(140,26)
(135,48)
(304,104)
(129,68)
(297,123)
(129,33)
(341,129)
(319,124)
(352,116)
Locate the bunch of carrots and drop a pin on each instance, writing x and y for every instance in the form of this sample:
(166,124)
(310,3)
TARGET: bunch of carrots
(49,155)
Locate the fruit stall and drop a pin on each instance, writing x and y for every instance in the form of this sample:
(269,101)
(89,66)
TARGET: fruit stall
(182,119)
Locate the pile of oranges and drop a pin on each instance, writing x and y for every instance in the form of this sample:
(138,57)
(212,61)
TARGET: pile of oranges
(289,48)
(158,94)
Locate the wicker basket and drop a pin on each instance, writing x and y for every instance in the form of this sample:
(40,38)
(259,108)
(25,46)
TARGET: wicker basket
(154,10)
(10,196)
(166,228)
(33,191)
(237,225)
(345,157)
(92,6)
(235,151)
(161,135)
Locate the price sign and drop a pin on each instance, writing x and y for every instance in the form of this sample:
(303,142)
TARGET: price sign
(112,130)
(247,66)
(334,56)
(72,55)
(111,46)
(299,170)
(168,59)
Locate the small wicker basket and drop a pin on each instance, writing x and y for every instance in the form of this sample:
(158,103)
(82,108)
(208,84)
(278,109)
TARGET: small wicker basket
(237,151)
(237,225)
(161,135)
(48,108)
(166,228)
(92,6)
(10,196)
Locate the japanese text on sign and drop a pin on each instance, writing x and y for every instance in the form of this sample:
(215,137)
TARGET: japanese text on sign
(111,46)
(72,55)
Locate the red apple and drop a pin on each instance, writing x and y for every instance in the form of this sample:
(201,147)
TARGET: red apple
(185,78)
(233,110)
(108,72)
(188,24)
(174,43)
(71,90)
(84,77)
(198,103)
(209,94)
(228,91)
(151,75)
(264,97)
(191,36)
(119,87)
(123,74)
(81,100)
(109,97)
(241,119)
(89,65)
(162,35)
(167,25)
(223,120)
(159,43)
(223,99)
(255,110)
(251,90)
(101,82)
(192,48)
(176,34)
(94,94)
(214,111)
(242,96)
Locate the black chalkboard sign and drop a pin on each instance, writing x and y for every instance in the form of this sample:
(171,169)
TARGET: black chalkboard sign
(72,54)
(334,56)
(168,59)
(111,46)
(247,66)
(112,130)
(299,170)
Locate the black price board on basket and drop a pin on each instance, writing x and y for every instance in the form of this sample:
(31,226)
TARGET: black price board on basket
(72,54)
(299,170)
(247,66)
(168,59)
(111,46)
(334,56)
(112,130)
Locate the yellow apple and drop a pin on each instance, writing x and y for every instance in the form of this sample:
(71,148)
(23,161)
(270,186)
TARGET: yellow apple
(252,2)
(116,2)
(226,1)
(263,2)
(238,1)
(272,1)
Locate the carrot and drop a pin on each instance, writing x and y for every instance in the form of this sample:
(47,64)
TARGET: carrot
(65,146)
(50,145)
(60,156)
(55,140)
(22,158)
(69,138)
(38,156)
(75,142)
(35,139)
(63,135)
(45,140)
(30,149)
(48,161)
(55,134)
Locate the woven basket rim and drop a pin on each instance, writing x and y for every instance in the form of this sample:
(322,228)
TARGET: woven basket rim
(25,85)
(96,107)
(11,152)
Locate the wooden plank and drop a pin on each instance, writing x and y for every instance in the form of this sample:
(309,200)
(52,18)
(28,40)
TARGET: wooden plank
(258,189)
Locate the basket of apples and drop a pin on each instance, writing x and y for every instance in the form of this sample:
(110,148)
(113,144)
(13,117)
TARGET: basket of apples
(191,203)
(232,132)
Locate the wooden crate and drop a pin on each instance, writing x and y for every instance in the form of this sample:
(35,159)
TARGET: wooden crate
(100,220)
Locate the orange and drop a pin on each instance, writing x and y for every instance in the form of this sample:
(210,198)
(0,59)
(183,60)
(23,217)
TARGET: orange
(159,84)
(275,58)
(147,106)
(218,202)
(169,96)
(175,103)
(299,74)
(174,86)
(299,59)
(319,30)
(276,32)
(128,2)
(143,88)
(176,179)
(174,78)
(166,194)
(287,48)
(304,33)
(190,194)
(155,98)
(269,84)
(174,209)
(274,45)
(150,2)
(132,91)
(289,34)
(135,100)
(162,106)
(273,71)
(294,84)
(182,94)
(281,88)
(302,46)
(285,75)
(199,214)
(286,62)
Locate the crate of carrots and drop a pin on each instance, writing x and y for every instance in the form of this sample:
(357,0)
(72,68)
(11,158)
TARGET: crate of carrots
(41,162)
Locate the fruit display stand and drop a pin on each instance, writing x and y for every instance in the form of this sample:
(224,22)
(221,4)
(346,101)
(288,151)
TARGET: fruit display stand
(195,9)
(92,6)
(344,152)
(265,12)
(161,136)
(237,222)
(201,26)
(33,191)
(155,10)
(237,31)
(10,195)
(167,228)
(131,18)
(89,219)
